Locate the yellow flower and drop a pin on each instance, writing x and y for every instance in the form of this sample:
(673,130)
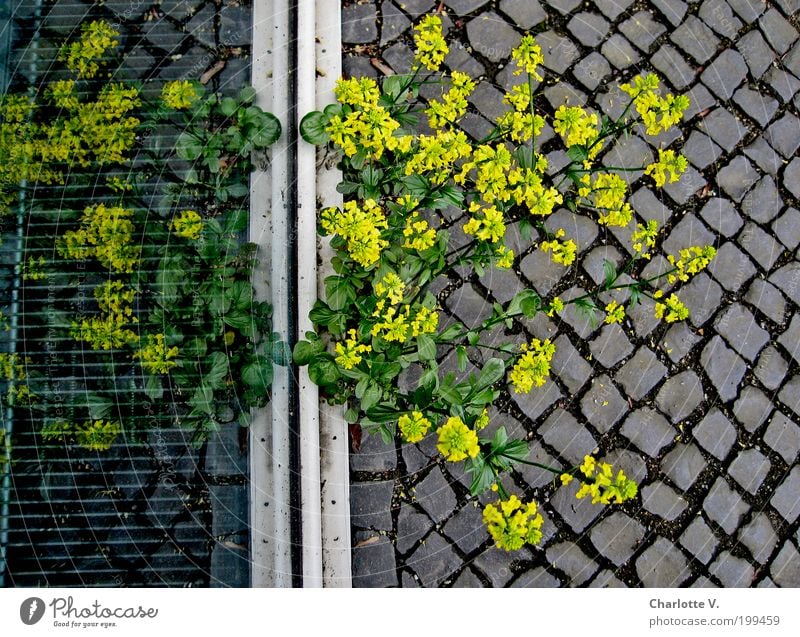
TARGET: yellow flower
(690,261)
(505,257)
(413,427)
(431,47)
(556,306)
(671,310)
(180,94)
(360,226)
(575,125)
(106,234)
(84,55)
(357,91)
(563,252)
(644,238)
(156,357)
(588,467)
(669,167)
(615,313)
(426,321)
(453,105)
(349,354)
(418,235)
(512,524)
(187,224)
(62,94)
(566,478)
(602,486)
(97,435)
(528,57)
(483,420)
(457,441)
(533,366)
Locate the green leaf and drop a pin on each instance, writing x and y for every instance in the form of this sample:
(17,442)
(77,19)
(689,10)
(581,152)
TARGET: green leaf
(268,132)
(371,397)
(323,372)
(280,353)
(203,400)
(609,272)
(450,394)
(216,365)
(526,302)
(339,292)
(483,476)
(312,128)
(99,406)
(394,86)
(383,414)
(461,357)
(492,371)
(426,347)
(188,147)
(577,153)
(247,95)
(228,106)
(450,333)
(258,374)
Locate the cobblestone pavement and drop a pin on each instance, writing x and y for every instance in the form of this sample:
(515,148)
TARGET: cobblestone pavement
(704,414)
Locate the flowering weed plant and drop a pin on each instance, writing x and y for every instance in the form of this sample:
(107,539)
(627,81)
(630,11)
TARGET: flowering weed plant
(423,201)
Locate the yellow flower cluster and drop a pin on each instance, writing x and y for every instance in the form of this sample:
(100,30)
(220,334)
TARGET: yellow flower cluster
(529,189)
(533,366)
(658,113)
(669,167)
(62,94)
(431,47)
(97,435)
(644,238)
(349,353)
(33,269)
(671,310)
(392,288)
(360,227)
(512,524)
(505,257)
(453,105)
(414,426)
(187,224)
(519,123)
(179,94)
(12,366)
(599,482)
(106,233)
(418,234)
(399,325)
(606,193)
(486,224)
(556,306)
(689,262)
(155,356)
(109,330)
(528,57)
(457,441)
(84,55)
(563,252)
(615,313)
(575,125)
(437,154)
(366,125)
(492,164)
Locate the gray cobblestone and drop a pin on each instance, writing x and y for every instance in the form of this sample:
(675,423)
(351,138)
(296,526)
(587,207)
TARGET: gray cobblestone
(719,15)
(749,469)
(724,367)
(602,404)
(641,373)
(374,455)
(434,561)
(783,137)
(663,501)
(495,564)
(534,476)
(524,13)
(617,537)
(752,408)
(578,514)
(589,28)
(694,37)
(732,571)
(662,564)
(536,578)
(564,7)
(571,439)
(756,52)
(435,496)
(690,184)
(370,504)
(715,434)
(411,527)
(701,101)
(738,326)
(783,436)
(235,25)
(701,150)
(759,106)
(393,24)
(648,430)
(559,51)
(469,306)
(720,214)
(466,528)
(771,368)
(670,62)
(787,226)
(787,496)
(541,271)
(725,506)
(759,537)
(730,267)
(762,204)
(535,403)
(569,558)
(783,83)
(748,10)
(699,540)
(779,33)
(592,70)
(764,156)
(359,23)
(679,341)
(568,365)
(374,565)
(683,465)
(467,579)
(785,569)
(612,9)
(791,177)
(787,280)
(680,396)
(619,52)
(790,394)
(642,30)
(416,8)
(458,59)
(611,346)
